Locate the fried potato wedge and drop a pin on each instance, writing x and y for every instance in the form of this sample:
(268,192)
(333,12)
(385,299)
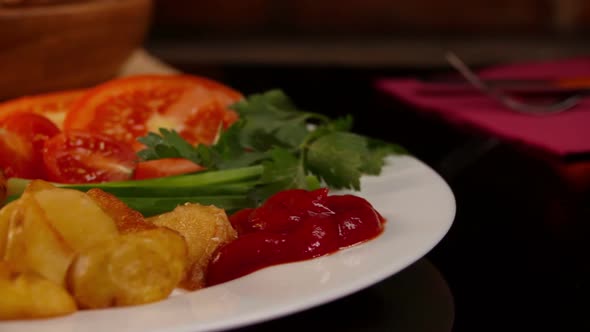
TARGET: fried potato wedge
(33,244)
(6,213)
(205,228)
(38,185)
(127,219)
(28,295)
(133,268)
(7,270)
(76,217)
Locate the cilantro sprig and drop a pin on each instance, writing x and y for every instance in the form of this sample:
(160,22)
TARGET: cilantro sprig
(295,147)
(272,147)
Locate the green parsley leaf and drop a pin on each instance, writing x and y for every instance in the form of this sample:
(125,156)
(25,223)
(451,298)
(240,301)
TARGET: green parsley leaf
(281,172)
(271,119)
(169,144)
(374,161)
(337,158)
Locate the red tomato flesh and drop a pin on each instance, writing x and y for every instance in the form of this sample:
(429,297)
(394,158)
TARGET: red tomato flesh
(22,136)
(128,108)
(82,157)
(54,106)
(34,127)
(17,156)
(290,226)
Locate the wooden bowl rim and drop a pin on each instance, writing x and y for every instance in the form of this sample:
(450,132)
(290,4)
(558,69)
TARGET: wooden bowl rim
(70,8)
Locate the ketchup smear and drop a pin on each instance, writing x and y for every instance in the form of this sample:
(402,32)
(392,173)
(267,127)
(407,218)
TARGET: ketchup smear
(293,225)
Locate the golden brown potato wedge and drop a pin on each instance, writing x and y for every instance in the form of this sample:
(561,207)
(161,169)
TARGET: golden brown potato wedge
(34,245)
(126,219)
(38,185)
(7,270)
(134,268)
(28,295)
(205,228)
(76,217)
(6,213)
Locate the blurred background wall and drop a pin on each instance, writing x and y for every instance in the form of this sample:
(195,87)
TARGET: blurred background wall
(370,32)
(376,16)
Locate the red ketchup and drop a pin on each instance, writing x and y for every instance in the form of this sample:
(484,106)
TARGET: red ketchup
(293,225)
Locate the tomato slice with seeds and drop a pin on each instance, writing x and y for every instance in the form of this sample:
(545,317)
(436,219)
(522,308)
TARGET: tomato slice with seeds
(54,106)
(22,135)
(33,127)
(83,157)
(128,108)
(17,157)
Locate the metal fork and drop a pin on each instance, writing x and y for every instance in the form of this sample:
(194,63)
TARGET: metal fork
(558,106)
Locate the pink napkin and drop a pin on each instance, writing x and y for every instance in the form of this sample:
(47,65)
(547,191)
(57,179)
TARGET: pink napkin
(562,134)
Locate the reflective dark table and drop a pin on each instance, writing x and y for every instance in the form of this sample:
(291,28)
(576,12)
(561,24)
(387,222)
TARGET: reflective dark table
(517,255)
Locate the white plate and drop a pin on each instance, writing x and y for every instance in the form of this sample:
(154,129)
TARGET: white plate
(419,207)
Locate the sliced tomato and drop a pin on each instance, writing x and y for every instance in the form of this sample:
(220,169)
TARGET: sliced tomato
(128,108)
(17,156)
(54,106)
(164,167)
(22,135)
(34,127)
(83,157)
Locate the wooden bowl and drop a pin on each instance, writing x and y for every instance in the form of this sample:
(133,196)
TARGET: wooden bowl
(67,45)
